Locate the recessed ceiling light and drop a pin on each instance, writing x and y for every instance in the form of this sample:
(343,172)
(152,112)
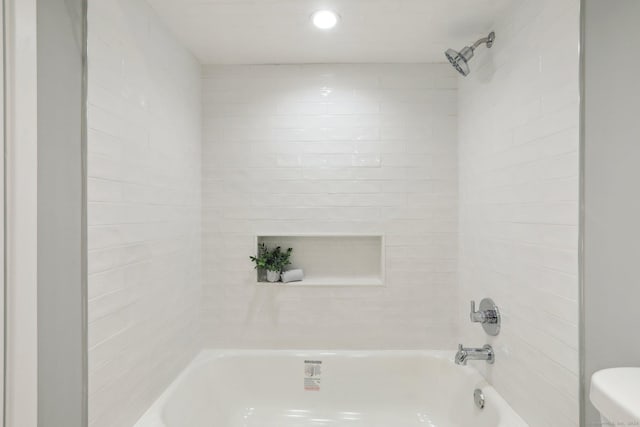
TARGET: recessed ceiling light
(325,19)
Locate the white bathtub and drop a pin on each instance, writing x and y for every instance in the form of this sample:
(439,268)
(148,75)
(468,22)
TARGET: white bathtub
(351,388)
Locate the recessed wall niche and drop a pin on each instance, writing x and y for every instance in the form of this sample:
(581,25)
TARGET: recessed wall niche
(332,260)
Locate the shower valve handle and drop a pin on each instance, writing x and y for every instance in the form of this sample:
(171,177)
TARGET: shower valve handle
(476,316)
(488,316)
(488,312)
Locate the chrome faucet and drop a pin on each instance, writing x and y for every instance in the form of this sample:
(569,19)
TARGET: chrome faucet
(484,353)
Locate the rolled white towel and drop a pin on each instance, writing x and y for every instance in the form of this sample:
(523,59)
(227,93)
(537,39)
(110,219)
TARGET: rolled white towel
(292,276)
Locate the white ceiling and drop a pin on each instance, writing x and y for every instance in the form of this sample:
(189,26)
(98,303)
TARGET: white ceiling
(280,31)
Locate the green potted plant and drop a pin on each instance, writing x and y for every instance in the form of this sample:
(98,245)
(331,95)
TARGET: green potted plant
(272,260)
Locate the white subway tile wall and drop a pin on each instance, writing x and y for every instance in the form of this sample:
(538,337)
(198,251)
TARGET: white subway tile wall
(333,149)
(519,206)
(144,214)
(489,170)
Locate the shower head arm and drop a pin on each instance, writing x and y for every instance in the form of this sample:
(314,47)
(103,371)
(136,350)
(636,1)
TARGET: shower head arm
(485,40)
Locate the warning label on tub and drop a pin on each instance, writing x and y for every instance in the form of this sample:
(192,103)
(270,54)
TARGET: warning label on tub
(312,375)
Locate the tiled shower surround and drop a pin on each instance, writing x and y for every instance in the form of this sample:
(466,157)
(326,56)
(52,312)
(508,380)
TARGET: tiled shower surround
(144,210)
(331,149)
(519,166)
(473,183)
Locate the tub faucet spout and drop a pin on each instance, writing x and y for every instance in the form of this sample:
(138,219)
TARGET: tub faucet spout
(484,353)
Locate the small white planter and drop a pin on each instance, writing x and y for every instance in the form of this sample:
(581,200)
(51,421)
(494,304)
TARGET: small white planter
(273,276)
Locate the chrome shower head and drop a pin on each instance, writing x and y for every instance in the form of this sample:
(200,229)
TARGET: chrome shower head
(460,60)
